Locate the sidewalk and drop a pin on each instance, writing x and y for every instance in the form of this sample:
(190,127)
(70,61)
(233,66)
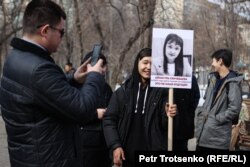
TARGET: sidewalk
(4,155)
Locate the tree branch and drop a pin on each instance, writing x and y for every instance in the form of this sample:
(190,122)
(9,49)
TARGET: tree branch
(131,41)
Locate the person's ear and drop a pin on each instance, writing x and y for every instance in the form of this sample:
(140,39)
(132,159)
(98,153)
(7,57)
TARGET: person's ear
(44,30)
(221,61)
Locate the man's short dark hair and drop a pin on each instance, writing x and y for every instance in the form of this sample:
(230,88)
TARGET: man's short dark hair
(41,12)
(69,64)
(225,55)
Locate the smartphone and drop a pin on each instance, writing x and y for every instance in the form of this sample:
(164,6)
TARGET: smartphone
(96,54)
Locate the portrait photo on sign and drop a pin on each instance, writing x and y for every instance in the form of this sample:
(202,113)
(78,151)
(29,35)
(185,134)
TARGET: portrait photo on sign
(172,58)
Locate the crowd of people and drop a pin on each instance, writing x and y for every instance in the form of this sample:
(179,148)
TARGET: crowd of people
(73,118)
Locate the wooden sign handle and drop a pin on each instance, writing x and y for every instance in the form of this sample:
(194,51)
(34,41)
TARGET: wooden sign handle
(170,121)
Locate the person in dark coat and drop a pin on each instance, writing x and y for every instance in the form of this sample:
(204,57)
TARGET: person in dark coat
(94,148)
(136,117)
(41,109)
(183,123)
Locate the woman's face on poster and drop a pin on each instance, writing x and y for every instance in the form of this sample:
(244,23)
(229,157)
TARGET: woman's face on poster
(172,51)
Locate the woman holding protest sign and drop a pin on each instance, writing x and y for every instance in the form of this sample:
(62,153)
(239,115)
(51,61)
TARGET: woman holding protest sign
(136,117)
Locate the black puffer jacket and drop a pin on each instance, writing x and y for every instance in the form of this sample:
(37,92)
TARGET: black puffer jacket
(41,109)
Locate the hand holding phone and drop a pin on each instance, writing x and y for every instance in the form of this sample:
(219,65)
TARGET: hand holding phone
(96,54)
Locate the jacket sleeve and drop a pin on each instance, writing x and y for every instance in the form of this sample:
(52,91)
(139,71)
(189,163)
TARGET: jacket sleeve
(71,80)
(163,102)
(233,105)
(110,121)
(55,95)
(108,95)
(195,93)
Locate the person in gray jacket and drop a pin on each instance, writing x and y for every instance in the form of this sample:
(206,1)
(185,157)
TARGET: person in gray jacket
(222,105)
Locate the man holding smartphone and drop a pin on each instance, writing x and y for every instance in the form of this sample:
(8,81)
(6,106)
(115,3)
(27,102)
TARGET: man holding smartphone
(40,107)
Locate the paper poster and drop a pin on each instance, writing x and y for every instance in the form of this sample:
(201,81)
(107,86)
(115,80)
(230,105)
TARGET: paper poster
(172,58)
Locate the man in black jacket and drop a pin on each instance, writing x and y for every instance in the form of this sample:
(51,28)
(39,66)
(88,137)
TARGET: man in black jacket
(40,107)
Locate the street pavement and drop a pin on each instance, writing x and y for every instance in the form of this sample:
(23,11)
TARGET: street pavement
(4,155)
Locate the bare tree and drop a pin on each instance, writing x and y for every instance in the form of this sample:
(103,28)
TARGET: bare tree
(124,27)
(10,25)
(215,26)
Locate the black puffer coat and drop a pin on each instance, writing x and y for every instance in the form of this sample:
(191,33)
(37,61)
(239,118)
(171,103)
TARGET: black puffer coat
(41,109)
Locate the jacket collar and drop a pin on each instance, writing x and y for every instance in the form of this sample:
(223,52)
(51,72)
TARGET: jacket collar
(26,46)
(232,76)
